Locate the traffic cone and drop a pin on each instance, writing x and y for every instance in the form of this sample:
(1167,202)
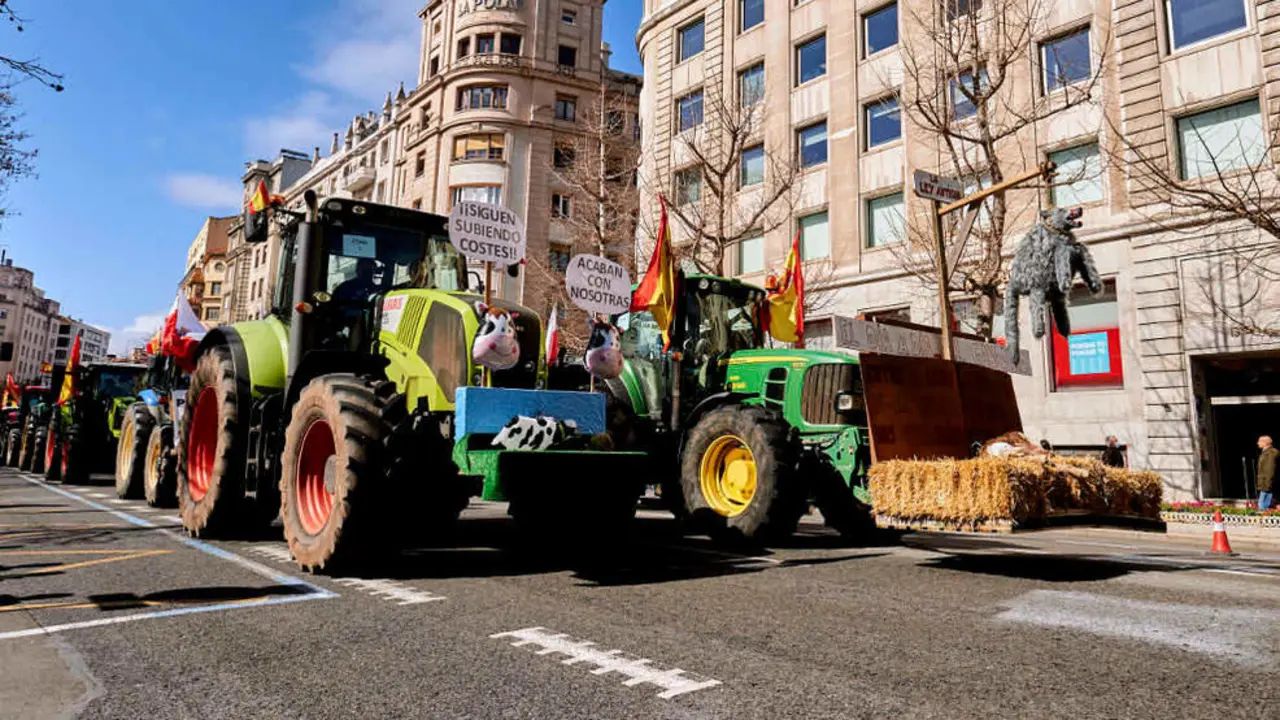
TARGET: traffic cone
(1221,546)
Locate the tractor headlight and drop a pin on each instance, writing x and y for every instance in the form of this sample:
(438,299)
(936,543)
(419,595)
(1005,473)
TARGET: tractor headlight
(322,296)
(845,402)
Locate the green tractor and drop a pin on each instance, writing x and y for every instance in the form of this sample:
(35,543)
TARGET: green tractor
(14,422)
(356,412)
(744,438)
(146,460)
(84,432)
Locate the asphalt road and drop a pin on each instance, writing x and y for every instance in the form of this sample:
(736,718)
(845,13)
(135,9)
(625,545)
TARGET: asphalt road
(108,611)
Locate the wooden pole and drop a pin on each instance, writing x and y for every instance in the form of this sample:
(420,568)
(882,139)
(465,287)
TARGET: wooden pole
(1045,170)
(488,300)
(944,299)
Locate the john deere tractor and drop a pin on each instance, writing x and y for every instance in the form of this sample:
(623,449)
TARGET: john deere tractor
(146,461)
(84,432)
(356,413)
(745,437)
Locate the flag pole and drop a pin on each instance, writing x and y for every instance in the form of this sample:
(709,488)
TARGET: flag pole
(488,300)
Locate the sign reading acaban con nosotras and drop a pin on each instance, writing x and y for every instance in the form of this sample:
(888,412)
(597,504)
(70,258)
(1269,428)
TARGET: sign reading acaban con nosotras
(598,285)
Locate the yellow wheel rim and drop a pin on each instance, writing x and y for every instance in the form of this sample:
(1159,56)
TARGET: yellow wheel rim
(124,449)
(728,475)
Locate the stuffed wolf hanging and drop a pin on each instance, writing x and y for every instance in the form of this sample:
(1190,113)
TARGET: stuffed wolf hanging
(1043,269)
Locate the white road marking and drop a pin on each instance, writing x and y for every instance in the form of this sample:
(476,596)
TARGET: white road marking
(171,519)
(119,501)
(100,496)
(637,670)
(1244,635)
(278,553)
(390,589)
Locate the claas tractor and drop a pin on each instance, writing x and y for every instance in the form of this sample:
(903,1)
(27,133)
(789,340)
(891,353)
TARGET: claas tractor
(84,431)
(357,411)
(14,423)
(744,438)
(146,461)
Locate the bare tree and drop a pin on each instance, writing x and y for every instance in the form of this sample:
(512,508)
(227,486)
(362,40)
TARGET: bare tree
(16,161)
(717,198)
(32,69)
(977,83)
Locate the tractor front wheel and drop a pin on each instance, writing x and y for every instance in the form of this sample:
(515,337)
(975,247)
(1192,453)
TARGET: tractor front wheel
(13,447)
(330,473)
(27,454)
(211,460)
(739,474)
(75,456)
(131,452)
(159,484)
(39,450)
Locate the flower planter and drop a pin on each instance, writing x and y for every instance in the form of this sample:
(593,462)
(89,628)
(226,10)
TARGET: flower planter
(1252,528)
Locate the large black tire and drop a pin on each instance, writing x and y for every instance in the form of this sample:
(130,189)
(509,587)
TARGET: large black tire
(26,454)
(52,453)
(13,447)
(131,451)
(211,498)
(159,479)
(778,502)
(39,441)
(77,456)
(841,510)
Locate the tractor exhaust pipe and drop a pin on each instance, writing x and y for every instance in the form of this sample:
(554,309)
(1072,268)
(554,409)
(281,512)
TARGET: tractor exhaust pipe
(307,245)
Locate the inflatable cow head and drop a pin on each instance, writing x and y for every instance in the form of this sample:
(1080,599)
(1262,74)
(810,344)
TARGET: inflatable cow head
(604,354)
(495,346)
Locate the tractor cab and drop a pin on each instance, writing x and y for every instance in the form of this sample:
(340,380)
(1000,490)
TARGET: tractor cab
(112,387)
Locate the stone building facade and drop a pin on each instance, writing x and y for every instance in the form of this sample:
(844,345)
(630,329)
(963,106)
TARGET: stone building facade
(205,279)
(1160,359)
(28,321)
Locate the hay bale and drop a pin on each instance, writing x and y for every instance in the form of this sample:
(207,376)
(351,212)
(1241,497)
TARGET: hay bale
(1018,490)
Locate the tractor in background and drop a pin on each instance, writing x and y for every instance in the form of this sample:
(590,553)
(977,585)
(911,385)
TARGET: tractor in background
(744,438)
(357,412)
(146,459)
(14,421)
(84,432)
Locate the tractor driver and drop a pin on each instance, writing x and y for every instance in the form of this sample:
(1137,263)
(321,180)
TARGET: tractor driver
(358,287)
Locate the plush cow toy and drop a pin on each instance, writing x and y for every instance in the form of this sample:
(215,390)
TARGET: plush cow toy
(604,356)
(495,346)
(533,433)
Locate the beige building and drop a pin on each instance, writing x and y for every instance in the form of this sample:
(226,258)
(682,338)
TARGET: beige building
(206,273)
(1166,358)
(94,341)
(28,320)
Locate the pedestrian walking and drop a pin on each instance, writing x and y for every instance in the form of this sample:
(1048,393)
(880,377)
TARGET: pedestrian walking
(1113,456)
(1266,471)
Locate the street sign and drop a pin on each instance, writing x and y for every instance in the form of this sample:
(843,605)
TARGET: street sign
(598,285)
(936,187)
(884,339)
(485,232)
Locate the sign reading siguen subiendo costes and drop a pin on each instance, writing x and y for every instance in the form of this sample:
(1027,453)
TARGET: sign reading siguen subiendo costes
(598,285)
(484,232)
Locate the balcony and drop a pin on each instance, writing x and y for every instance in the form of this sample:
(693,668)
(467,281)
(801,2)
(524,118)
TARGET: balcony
(360,179)
(493,60)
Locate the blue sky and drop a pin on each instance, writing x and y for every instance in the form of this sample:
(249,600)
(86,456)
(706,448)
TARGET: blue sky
(162,109)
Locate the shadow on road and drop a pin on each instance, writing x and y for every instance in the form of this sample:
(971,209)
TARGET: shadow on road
(195,596)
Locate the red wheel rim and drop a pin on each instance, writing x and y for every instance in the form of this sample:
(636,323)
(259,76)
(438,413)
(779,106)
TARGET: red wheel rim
(50,444)
(65,453)
(315,502)
(202,444)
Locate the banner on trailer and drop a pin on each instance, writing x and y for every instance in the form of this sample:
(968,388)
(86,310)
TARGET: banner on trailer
(598,285)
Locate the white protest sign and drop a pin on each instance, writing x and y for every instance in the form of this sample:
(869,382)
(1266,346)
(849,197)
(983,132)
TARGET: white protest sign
(486,233)
(598,285)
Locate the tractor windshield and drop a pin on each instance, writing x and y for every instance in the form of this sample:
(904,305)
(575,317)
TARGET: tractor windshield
(375,259)
(722,324)
(123,382)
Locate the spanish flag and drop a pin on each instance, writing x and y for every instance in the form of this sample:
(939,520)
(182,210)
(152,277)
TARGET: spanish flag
(261,199)
(786,303)
(11,392)
(69,380)
(657,290)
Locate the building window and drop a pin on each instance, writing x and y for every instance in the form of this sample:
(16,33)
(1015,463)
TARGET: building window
(886,223)
(813,144)
(212,313)
(751,84)
(558,257)
(1079,176)
(811,60)
(880,29)
(1067,60)
(815,239)
(1191,21)
(215,288)
(1221,140)
(884,122)
(751,255)
(491,194)
(568,56)
(510,44)
(898,314)
(752,12)
(690,110)
(561,206)
(435,66)
(615,122)
(464,47)
(563,157)
(417,204)
(964,92)
(482,96)
(752,170)
(690,40)
(959,8)
(688,185)
(420,164)
(219,267)
(483,146)
(1090,356)
(569,17)
(566,108)
(484,44)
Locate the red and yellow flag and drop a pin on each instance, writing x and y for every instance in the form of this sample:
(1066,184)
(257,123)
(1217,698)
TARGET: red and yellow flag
(69,380)
(262,199)
(786,303)
(657,290)
(11,392)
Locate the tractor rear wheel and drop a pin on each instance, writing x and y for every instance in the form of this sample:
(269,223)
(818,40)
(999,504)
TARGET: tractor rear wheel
(75,456)
(739,474)
(52,454)
(211,460)
(25,455)
(39,441)
(13,447)
(334,498)
(131,452)
(159,484)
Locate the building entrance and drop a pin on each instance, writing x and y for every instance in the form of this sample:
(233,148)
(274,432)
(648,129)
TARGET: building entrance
(1237,399)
